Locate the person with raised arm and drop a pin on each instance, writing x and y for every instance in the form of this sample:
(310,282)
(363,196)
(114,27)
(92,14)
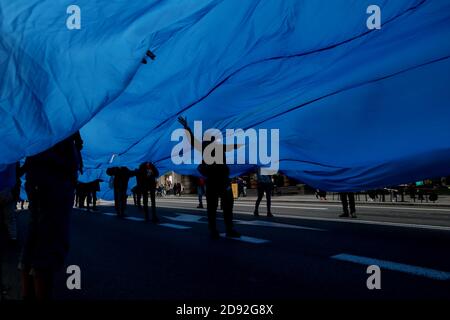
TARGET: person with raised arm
(218,184)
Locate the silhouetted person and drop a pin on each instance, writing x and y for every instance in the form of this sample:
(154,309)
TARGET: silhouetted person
(320,194)
(146,182)
(18,186)
(177,189)
(8,200)
(265,185)
(81,193)
(51,177)
(91,194)
(200,191)
(77,195)
(136,197)
(373,196)
(218,184)
(242,187)
(348,206)
(121,177)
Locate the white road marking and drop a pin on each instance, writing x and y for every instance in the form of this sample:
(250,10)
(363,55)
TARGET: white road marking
(105,202)
(134,219)
(395,266)
(283,207)
(192,218)
(182,217)
(274,225)
(109,214)
(174,226)
(321,206)
(246,239)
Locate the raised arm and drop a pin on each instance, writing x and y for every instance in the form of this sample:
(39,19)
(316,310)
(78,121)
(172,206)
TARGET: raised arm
(196,144)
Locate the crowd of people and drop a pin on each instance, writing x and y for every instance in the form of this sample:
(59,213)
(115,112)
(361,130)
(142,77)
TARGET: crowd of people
(51,185)
(145,189)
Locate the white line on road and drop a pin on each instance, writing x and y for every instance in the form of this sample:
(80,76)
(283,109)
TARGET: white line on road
(260,223)
(174,226)
(284,207)
(134,219)
(237,204)
(246,239)
(109,214)
(395,266)
(167,225)
(182,217)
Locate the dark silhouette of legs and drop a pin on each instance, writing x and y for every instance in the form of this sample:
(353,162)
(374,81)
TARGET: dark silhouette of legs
(258,200)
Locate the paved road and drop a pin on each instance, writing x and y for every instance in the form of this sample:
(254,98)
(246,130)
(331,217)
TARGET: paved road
(385,215)
(304,252)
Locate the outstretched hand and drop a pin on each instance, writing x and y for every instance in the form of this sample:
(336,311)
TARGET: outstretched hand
(183,121)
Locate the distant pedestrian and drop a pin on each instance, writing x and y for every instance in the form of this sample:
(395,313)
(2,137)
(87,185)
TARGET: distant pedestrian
(265,185)
(92,189)
(320,194)
(146,177)
(200,191)
(120,183)
(137,197)
(177,188)
(242,187)
(81,193)
(348,204)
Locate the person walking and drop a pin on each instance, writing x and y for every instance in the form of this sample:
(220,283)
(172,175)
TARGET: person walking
(348,204)
(200,191)
(120,184)
(146,177)
(136,197)
(265,185)
(218,184)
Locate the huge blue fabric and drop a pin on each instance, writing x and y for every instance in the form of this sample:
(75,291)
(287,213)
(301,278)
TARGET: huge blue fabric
(356,108)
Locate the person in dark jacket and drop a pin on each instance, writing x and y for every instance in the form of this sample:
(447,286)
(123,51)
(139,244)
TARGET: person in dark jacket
(348,202)
(200,191)
(121,177)
(137,197)
(81,192)
(91,194)
(51,177)
(218,184)
(146,182)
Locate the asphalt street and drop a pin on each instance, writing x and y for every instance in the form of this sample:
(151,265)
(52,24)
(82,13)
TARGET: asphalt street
(304,252)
